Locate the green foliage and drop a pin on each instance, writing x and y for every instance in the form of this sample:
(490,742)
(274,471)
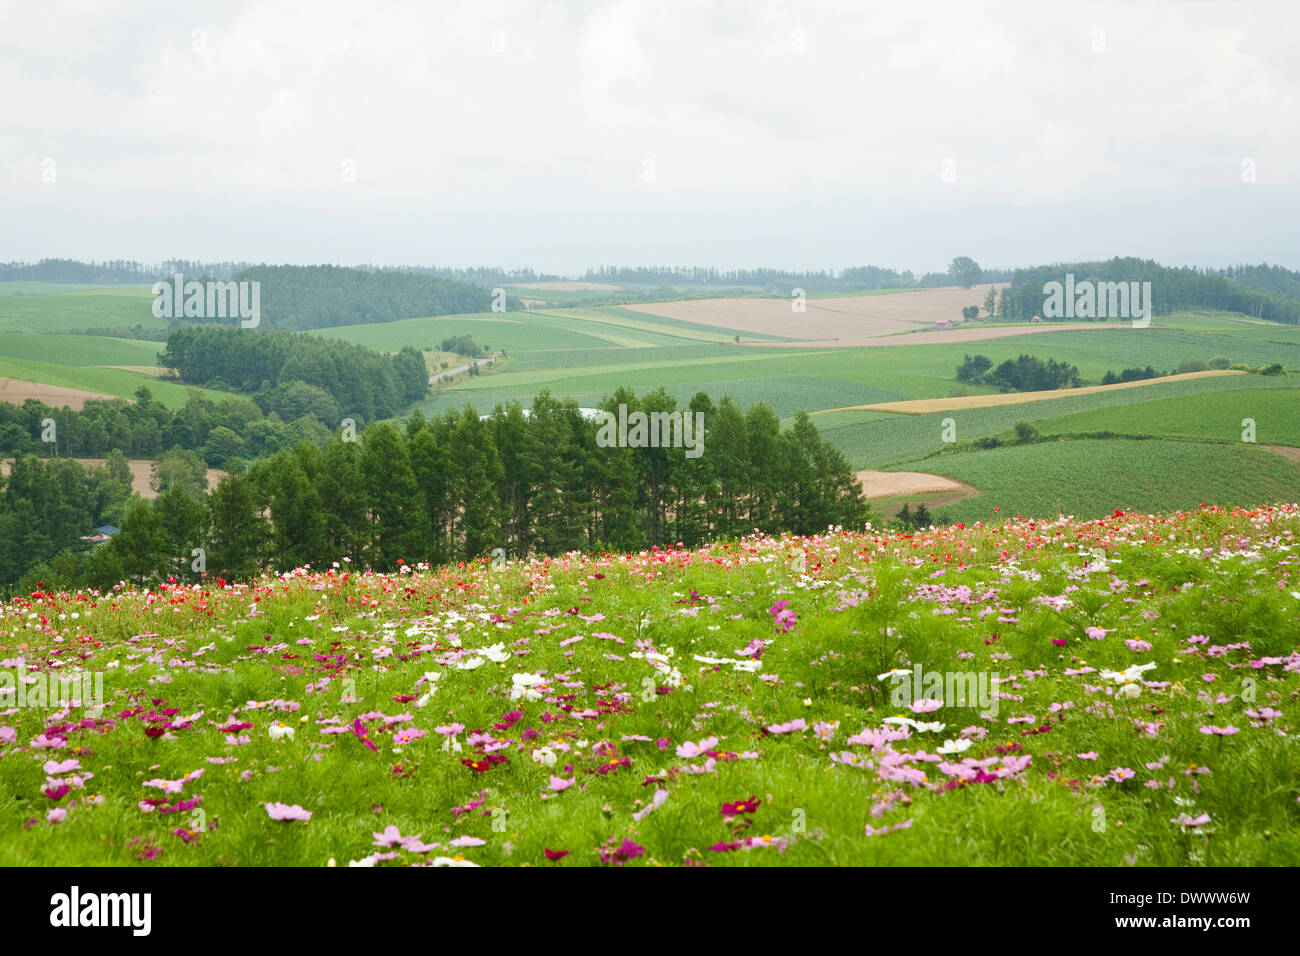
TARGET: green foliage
(315,297)
(966,272)
(290,373)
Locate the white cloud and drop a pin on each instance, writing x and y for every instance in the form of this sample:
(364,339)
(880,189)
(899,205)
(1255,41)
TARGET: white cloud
(506,108)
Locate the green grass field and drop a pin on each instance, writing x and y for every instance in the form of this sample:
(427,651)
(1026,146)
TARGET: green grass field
(91,309)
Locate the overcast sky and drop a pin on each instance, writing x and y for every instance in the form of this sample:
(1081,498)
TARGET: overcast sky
(563,135)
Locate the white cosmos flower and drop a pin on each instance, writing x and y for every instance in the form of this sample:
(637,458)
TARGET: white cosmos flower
(451,861)
(900,721)
(469,663)
(278,731)
(544,756)
(933,727)
(525,686)
(497,653)
(954,746)
(433,676)
(749,666)
(1130,690)
(896,672)
(452,744)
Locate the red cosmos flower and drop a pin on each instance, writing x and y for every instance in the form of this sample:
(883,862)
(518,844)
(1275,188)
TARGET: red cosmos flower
(741,806)
(57,793)
(726,846)
(403,698)
(478,766)
(556,854)
(1058,641)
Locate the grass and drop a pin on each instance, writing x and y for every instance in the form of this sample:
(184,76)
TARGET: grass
(223,705)
(73,311)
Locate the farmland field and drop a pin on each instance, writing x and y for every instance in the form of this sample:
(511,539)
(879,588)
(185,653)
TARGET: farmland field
(825,318)
(588,352)
(1089,478)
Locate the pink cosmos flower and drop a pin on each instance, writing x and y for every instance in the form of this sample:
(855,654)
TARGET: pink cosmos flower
(926,705)
(287,812)
(391,836)
(56,815)
(893,827)
(789,727)
(559,784)
(1227,731)
(1184,820)
(689,749)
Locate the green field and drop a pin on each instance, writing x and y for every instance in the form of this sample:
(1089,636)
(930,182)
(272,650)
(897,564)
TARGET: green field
(1090,478)
(70,311)
(1216,416)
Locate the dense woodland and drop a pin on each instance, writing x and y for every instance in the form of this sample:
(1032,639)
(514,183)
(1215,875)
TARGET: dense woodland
(333,379)
(1251,290)
(453,488)
(319,297)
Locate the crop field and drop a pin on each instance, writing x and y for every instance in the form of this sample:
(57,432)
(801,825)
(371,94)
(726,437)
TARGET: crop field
(16,391)
(824,318)
(89,309)
(922,406)
(760,704)
(1089,478)
(1209,417)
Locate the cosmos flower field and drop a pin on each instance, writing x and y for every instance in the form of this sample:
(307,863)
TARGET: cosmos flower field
(731,706)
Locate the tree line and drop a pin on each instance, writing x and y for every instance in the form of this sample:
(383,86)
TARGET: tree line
(1027,373)
(458,486)
(1172,289)
(220,432)
(305,373)
(317,297)
(782,280)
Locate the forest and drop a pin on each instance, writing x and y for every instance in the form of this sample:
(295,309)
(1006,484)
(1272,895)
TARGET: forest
(453,488)
(1259,291)
(297,375)
(318,297)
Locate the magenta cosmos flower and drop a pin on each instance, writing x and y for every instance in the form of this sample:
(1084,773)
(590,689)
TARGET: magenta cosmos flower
(782,616)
